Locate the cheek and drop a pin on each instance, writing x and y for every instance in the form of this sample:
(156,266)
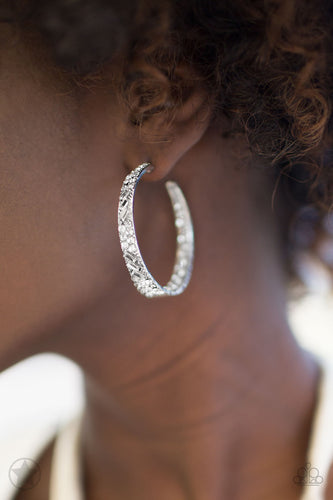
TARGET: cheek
(58,204)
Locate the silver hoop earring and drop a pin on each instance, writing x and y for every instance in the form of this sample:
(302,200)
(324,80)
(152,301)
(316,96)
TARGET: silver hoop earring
(141,277)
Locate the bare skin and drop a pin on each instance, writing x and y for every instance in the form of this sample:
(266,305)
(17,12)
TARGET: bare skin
(196,397)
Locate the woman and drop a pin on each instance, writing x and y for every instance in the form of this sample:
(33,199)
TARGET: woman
(204,394)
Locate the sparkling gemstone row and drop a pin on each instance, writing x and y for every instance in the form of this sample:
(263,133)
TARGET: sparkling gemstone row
(141,277)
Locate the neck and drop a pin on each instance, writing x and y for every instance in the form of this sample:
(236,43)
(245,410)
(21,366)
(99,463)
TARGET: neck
(205,395)
(213,414)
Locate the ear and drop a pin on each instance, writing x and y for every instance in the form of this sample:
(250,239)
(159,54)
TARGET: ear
(163,142)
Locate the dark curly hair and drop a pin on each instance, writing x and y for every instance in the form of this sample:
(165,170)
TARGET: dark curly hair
(265,64)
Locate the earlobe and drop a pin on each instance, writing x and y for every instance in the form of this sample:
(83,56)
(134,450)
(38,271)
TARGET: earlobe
(163,143)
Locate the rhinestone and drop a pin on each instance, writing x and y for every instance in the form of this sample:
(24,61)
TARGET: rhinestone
(133,259)
(176,279)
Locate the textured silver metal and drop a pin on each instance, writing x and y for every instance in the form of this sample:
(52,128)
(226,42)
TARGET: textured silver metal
(141,277)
